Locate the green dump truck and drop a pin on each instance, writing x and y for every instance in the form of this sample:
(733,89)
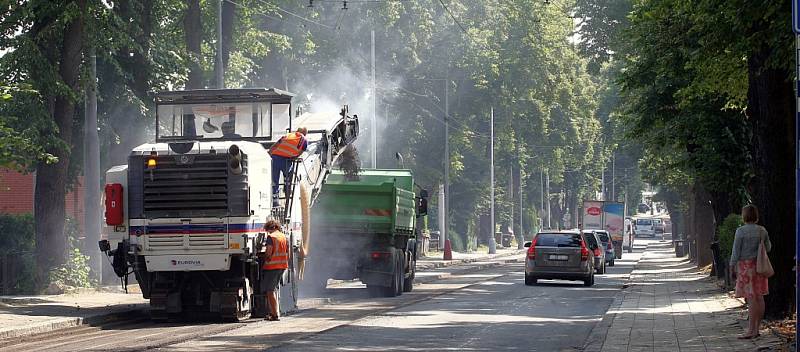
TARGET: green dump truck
(366,228)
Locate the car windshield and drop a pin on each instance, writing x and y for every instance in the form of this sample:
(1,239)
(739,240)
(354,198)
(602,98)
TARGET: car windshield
(644,222)
(221,121)
(558,240)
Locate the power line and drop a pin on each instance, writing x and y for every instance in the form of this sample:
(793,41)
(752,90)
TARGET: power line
(256,11)
(454,17)
(295,15)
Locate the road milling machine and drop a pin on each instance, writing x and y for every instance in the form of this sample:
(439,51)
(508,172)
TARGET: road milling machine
(186,214)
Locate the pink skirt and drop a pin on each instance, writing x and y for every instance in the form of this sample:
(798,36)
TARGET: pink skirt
(750,284)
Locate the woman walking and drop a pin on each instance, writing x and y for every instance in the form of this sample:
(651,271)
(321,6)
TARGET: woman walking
(749,284)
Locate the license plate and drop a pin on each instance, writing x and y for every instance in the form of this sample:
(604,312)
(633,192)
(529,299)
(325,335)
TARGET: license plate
(558,257)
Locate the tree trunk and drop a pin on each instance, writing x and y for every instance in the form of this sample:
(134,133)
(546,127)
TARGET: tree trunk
(689,226)
(193,31)
(770,109)
(704,228)
(228,23)
(52,179)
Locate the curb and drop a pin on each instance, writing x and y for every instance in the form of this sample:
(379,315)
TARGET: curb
(479,267)
(63,323)
(442,263)
(124,313)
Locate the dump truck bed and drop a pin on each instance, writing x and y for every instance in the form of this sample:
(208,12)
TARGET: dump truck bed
(379,202)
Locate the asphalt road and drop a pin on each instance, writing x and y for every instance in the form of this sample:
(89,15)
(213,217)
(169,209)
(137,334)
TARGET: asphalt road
(498,314)
(474,309)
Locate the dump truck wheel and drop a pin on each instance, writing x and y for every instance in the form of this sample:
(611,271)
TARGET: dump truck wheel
(399,274)
(408,283)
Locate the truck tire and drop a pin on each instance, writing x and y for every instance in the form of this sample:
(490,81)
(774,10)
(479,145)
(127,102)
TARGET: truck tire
(395,287)
(399,273)
(530,280)
(408,282)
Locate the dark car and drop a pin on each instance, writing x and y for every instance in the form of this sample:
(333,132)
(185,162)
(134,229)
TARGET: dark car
(593,242)
(605,240)
(559,255)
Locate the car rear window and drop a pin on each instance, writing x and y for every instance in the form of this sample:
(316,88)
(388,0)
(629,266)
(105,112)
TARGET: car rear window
(590,239)
(644,222)
(558,240)
(603,236)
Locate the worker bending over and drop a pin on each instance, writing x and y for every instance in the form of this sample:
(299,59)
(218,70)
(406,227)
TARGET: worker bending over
(283,153)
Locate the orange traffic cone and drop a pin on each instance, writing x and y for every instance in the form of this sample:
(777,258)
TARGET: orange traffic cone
(448,250)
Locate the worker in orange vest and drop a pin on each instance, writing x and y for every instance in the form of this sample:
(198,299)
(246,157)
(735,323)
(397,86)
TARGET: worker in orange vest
(283,152)
(274,261)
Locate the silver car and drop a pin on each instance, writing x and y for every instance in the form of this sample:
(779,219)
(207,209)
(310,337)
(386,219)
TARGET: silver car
(594,244)
(559,255)
(605,242)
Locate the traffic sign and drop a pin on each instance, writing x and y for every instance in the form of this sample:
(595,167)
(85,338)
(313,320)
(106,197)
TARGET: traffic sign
(796,16)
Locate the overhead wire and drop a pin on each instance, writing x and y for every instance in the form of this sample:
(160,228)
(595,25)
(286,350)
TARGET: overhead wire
(294,14)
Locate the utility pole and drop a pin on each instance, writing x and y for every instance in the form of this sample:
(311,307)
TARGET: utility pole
(603,182)
(446,231)
(91,176)
(613,177)
(373,122)
(521,230)
(541,182)
(547,183)
(220,66)
(442,211)
(492,243)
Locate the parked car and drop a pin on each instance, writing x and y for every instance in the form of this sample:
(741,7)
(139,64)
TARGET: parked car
(559,255)
(627,239)
(658,227)
(644,227)
(599,254)
(605,240)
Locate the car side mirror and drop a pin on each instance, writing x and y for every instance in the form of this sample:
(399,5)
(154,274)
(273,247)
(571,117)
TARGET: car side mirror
(527,245)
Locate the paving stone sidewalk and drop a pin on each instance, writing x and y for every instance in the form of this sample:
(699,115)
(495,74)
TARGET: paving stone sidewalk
(669,305)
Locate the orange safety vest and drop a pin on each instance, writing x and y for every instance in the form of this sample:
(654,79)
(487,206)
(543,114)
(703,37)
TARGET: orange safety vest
(279,258)
(288,146)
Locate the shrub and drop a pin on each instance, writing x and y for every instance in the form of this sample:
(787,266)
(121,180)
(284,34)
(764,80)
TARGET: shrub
(725,234)
(17,243)
(456,241)
(75,270)
(16,233)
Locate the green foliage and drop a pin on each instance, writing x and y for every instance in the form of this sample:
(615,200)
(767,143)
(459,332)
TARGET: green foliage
(17,246)
(725,234)
(16,233)
(75,270)
(20,145)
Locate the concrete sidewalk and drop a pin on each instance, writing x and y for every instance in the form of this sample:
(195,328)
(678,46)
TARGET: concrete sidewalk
(669,305)
(27,315)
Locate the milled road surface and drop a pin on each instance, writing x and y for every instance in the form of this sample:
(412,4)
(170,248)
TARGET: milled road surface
(472,310)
